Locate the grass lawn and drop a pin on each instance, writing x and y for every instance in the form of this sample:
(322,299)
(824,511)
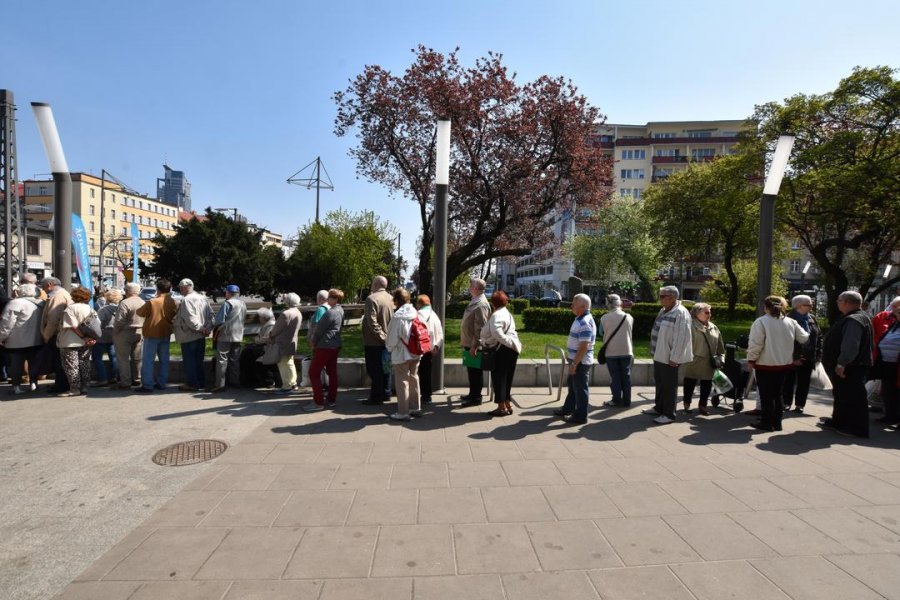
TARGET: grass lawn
(532,343)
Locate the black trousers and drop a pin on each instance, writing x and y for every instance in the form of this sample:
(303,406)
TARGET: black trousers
(503,374)
(796,385)
(770,384)
(851,410)
(665,378)
(375,370)
(889,391)
(705,390)
(425,388)
(476,381)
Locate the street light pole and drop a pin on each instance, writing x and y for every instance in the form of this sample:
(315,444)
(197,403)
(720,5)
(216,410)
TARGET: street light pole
(442,184)
(767,220)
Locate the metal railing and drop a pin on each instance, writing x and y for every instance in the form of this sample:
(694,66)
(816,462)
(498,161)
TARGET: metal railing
(562,369)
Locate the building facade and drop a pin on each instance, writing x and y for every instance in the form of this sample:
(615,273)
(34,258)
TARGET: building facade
(174,189)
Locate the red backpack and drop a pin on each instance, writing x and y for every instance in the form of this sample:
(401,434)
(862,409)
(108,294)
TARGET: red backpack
(419,341)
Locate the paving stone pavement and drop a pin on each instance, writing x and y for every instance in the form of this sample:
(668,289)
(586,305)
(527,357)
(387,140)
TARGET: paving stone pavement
(345,504)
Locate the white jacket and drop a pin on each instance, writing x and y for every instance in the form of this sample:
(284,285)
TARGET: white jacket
(675,342)
(193,320)
(20,325)
(772,341)
(398,334)
(435,329)
(501,329)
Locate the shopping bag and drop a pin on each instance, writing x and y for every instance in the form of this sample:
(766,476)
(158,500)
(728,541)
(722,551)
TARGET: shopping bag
(472,362)
(873,392)
(820,379)
(721,383)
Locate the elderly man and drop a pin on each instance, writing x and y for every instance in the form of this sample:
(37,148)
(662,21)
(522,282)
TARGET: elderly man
(229,324)
(847,357)
(32,278)
(379,309)
(158,314)
(580,348)
(671,344)
(58,299)
(193,322)
(127,337)
(474,318)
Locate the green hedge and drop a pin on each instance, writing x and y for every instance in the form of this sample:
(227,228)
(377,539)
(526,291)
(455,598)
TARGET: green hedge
(455,310)
(720,309)
(558,320)
(518,305)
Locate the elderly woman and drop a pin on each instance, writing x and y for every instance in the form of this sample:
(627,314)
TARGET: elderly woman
(284,337)
(325,341)
(615,327)
(499,334)
(74,347)
(404,362)
(806,355)
(105,344)
(771,355)
(20,332)
(709,355)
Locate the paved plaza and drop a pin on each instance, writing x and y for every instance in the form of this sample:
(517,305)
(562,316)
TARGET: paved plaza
(344,505)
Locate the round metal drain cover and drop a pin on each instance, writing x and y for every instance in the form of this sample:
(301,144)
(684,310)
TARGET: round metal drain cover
(189,453)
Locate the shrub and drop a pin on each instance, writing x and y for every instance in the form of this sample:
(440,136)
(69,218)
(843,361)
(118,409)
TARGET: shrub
(455,310)
(518,305)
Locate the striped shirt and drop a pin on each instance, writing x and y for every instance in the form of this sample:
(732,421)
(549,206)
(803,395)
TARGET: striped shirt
(583,330)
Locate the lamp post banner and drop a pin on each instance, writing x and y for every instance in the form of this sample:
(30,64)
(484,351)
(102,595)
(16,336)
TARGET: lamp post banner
(135,236)
(80,250)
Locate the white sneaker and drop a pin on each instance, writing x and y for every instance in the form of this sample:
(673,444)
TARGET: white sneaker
(663,420)
(313,407)
(649,411)
(399,417)
(32,387)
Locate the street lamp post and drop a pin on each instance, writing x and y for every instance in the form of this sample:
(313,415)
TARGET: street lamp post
(767,220)
(62,193)
(442,184)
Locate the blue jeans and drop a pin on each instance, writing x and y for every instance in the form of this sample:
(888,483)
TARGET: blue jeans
(620,379)
(577,399)
(192,357)
(154,347)
(97,352)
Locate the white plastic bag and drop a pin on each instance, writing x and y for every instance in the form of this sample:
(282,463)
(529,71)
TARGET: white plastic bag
(304,373)
(873,392)
(721,383)
(820,379)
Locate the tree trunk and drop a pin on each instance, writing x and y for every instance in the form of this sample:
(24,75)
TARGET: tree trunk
(733,285)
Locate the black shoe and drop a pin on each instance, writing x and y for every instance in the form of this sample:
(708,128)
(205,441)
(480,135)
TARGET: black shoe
(573,420)
(145,390)
(426,400)
(761,426)
(471,402)
(560,413)
(798,410)
(465,398)
(371,402)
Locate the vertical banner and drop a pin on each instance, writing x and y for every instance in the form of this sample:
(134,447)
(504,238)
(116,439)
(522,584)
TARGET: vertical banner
(82,259)
(135,254)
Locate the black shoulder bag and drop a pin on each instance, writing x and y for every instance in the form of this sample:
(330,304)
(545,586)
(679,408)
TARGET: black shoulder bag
(712,357)
(601,353)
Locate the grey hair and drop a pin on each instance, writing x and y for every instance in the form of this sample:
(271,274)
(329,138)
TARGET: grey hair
(113,296)
(26,290)
(28,278)
(669,290)
(895,301)
(851,297)
(322,296)
(292,300)
(186,283)
(613,301)
(379,282)
(800,299)
(699,306)
(584,299)
(132,289)
(265,315)
(478,283)
(51,281)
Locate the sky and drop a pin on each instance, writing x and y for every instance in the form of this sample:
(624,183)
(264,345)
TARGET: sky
(239,94)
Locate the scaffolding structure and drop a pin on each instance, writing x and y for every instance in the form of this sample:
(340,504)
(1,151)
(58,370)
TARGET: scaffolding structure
(12,207)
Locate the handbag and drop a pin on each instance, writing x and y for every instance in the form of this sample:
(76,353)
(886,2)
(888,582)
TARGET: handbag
(820,379)
(601,353)
(472,362)
(488,358)
(270,356)
(90,327)
(713,359)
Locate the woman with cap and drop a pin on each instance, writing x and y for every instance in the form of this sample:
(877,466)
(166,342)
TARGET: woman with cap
(284,338)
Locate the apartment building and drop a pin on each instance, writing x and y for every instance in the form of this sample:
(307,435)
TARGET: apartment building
(107,210)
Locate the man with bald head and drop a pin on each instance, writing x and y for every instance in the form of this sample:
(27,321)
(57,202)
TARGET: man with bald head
(379,309)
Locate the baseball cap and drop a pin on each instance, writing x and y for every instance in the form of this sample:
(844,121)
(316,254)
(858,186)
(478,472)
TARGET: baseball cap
(232,289)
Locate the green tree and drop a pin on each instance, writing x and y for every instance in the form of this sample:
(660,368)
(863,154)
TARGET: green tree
(346,250)
(710,210)
(745,271)
(841,196)
(213,252)
(621,245)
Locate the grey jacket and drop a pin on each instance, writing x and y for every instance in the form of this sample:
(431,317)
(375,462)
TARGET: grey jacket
(379,310)
(194,319)
(106,314)
(476,315)
(327,332)
(20,325)
(230,320)
(126,321)
(284,334)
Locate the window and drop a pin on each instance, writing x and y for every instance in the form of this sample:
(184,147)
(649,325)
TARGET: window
(112,214)
(700,134)
(795,265)
(634,154)
(91,210)
(91,242)
(632,173)
(702,153)
(124,231)
(91,226)
(668,152)
(92,192)
(33,245)
(112,230)
(663,136)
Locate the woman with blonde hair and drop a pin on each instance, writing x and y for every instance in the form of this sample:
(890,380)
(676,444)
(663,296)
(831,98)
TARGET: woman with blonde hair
(771,356)
(709,355)
(74,346)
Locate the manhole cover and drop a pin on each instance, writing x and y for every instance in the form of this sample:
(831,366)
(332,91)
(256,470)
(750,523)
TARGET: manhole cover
(189,453)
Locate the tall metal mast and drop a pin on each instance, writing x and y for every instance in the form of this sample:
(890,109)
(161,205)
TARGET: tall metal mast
(316,167)
(11,205)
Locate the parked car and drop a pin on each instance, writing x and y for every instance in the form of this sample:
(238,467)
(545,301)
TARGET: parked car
(147,293)
(549,301)
(532,299)
(626,303)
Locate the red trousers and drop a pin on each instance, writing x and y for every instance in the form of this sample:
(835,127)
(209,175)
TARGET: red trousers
(324,358)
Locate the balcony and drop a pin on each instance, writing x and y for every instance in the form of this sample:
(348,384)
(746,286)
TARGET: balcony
(731,139)
(661,160)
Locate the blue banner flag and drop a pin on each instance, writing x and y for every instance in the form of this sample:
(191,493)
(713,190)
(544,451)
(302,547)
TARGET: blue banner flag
(82,259)
(135,236)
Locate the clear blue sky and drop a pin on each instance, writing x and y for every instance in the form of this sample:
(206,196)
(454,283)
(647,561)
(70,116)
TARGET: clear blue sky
(238,94)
